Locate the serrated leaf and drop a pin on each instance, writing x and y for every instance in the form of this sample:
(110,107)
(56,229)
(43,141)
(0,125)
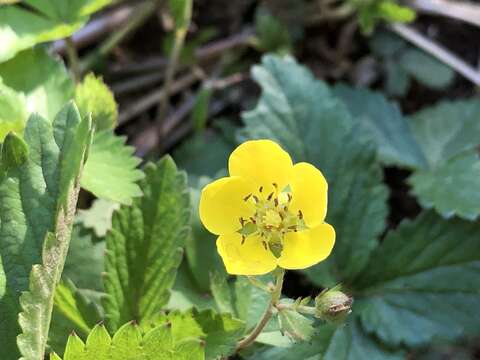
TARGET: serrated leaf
(111,170)
(425,276)
(295,325)
(452,188)
(302,115)
(144,246)
(448,133)
(98,217)
(384,121)
(47,20)
(38,201)
(13,111)
(128,343)
(426,69)
(94,97)
(348,342)
(14,152)
(41,79)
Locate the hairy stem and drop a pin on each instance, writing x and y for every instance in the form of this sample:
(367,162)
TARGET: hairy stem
(277,292)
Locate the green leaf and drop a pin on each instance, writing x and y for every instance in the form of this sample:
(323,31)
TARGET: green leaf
(14,152)
(144,246)
(181,11)
(84,263)
(425,276)
(426,69)
(384,121)
(41,79)
(272,34)
(348,342)
(38,201)
(448,133)
(302,115)
(13,111)
(111,170)
(129,343)
(98,217)
(94,97)
(295,325)
(76,307)
(222,293)
(22,28)
(451,188)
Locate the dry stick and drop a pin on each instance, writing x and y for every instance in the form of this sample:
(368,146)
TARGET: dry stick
(73,59)
(96,29)
(141,14)
(277,292)
(459,10)
(151,99)
(437,51)
(203,53)
(136,83)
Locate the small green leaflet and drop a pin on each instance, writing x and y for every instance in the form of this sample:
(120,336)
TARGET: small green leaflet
(129,343)
(37,202)
(98,217)
(144,246)
(13,111)
(111,170)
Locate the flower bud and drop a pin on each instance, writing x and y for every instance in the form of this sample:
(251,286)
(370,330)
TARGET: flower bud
(333,305)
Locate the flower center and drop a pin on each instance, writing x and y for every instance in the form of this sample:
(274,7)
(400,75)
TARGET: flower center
(272,219)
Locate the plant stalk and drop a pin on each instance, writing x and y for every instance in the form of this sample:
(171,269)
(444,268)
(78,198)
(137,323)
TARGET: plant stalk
(73,59)
(277,292)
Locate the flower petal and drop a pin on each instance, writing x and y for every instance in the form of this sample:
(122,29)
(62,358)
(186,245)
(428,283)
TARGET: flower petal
(263,162)
(309,193)
(306,248)
(222,204)
(251,258)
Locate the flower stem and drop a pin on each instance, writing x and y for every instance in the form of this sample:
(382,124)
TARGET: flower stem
(277,292)
(73,59)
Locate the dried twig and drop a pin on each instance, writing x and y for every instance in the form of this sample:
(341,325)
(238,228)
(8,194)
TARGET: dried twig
(442,54)
(460,10)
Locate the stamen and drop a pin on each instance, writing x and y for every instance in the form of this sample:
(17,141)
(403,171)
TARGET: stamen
(270,196)
(275,185)
(275,201)
(252,220)
(265,245)
(300,214)
(255,198)
(289,197)
(261,189)
(243,239)
(247,197)
(242,221)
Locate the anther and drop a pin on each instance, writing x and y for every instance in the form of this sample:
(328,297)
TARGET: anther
(252,220)
(270,196)
(300,214)
(275,185)
(247,197)
(243,239)
(261,189)
(275,202)
(289,197)
(255,198)
(264,245)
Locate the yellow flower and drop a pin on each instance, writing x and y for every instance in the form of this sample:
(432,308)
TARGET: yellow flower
(268,212)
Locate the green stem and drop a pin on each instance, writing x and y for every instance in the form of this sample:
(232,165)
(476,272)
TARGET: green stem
(73,59)
(310,310)
(277,292)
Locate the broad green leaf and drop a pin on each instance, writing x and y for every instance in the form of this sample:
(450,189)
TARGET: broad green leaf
(250,302)
(37,203)
(111,170)
(144,246)
(347,342)
(426,69)
(98,217)
(22,28)
(302,115)
(219,331)
(384,121)
(447,129)
(13,111)
(397,80)
(452,188)
(449,133)
(128,343)
(14,153)
(41,79)
(222,293)
(425,276)
(84,265)
(94,97)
